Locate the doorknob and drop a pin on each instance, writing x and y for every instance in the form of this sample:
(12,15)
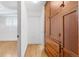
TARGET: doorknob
(17,36)
(59,34)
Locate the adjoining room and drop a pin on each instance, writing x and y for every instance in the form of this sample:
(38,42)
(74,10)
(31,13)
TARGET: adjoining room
(8,28)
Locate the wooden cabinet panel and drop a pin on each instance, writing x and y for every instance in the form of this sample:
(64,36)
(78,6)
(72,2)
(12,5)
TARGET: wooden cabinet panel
(55,27)
(71,4)
(71,32)
(52,48)
(68,53)
(56,7)
(53,44)
(52,52)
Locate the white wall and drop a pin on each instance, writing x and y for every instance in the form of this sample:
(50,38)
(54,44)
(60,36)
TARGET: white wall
(36,28)
(24,28)
(8,28)
(42,26)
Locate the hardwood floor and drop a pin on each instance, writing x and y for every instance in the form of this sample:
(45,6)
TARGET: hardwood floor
(35,50)
(8,48)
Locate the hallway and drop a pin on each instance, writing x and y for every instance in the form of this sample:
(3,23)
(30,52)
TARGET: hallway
(52,23)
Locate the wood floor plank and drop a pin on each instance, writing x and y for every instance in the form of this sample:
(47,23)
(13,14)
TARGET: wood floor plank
(35,50)
(8,48)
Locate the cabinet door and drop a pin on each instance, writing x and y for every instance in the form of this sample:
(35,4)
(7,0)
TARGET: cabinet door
(56,23)
(71,34)
(55,27)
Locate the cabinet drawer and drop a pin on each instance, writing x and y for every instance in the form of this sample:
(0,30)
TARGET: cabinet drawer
(53,44)
(48,52)
(51,51)
(52,48)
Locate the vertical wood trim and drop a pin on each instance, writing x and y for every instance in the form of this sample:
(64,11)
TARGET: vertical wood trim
(50,18)
(78,28)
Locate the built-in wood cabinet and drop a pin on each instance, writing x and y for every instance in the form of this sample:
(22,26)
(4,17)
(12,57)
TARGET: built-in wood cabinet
(61,28)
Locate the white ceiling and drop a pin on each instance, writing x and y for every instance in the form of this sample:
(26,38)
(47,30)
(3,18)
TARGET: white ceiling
(34,9)
(8,7)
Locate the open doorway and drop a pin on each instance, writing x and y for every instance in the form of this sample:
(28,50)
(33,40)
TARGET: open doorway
(32,29)
(8,28)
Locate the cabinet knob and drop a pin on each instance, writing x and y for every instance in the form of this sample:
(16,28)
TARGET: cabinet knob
(61,46)
(59,34)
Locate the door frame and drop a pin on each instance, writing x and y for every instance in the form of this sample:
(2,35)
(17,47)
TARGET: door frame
(19,28)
